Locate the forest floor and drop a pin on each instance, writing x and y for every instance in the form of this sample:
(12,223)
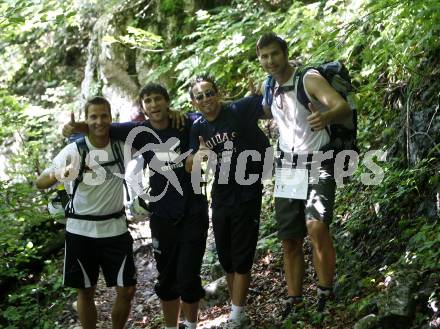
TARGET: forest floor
(265,300)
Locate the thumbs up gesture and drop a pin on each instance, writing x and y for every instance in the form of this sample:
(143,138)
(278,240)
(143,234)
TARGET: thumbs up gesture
(73,127)
(317,120)
(69,128)
(202,154)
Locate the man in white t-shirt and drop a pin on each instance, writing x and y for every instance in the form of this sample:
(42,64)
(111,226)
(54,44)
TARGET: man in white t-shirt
(96,228)
(301,133)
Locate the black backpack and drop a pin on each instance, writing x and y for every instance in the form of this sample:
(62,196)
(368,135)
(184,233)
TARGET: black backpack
(342,136)
(83,151)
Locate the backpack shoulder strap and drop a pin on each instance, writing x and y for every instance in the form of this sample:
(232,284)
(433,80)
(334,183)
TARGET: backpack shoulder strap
(269,86)
(301,93)
(118,155)
(83,150)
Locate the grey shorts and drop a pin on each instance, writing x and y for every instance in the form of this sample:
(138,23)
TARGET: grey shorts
(291,215)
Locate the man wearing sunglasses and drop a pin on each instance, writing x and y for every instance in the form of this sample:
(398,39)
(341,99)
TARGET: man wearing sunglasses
(302,132)
(229,130)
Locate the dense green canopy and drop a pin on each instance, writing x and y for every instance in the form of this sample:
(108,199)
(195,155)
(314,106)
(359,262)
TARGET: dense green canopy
(54,53)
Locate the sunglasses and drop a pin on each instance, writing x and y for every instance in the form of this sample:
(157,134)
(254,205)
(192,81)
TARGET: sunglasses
(206,94)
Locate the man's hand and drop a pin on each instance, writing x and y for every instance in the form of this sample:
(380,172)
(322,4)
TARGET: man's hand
(69,128)
(317,120)
(73,127)
(67,173)
(202,154)
(177,119)
(63,174)
(197,158)
(252,89)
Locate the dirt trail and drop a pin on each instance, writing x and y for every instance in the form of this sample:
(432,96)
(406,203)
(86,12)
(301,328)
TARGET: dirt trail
(264,302)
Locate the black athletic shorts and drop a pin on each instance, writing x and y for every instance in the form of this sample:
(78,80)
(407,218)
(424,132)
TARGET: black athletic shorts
(236,234)
(178,251)
(84,256)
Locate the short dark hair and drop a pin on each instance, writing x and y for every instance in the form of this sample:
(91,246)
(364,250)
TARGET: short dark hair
(153,88)
(97,100)
(201,78)
(268,38)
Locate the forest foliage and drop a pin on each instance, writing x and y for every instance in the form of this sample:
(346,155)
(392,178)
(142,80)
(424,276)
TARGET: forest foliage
(390,46)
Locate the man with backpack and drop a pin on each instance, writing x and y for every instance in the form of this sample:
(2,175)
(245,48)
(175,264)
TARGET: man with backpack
(229,130)
(96,227)
(179,217)
(303,204)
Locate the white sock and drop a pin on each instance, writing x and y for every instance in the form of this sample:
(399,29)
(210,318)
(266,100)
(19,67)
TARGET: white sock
(190,325)
(236,312)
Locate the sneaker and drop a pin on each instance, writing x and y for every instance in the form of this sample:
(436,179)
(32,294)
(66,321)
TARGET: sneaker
(183,325)
(293,306)
(324,295)
(243,323)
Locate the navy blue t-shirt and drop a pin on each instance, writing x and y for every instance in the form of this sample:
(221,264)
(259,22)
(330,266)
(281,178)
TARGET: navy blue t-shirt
(165,152)
(237,122)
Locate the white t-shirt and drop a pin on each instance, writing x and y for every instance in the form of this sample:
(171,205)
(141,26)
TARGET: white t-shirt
(291,118)
(100,193)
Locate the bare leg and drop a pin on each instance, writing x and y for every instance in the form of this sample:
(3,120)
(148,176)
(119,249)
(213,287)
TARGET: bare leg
(240,288)
(87,308)
(122,306)
(324,256)
(230,282)
(171,311)
(293,265)
(190,311)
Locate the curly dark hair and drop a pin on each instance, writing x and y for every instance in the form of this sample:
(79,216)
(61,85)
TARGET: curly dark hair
(155,88)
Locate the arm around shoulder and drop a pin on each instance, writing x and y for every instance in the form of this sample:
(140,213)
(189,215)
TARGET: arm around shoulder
(76,127)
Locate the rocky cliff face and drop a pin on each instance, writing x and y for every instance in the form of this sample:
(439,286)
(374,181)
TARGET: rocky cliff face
(117,70)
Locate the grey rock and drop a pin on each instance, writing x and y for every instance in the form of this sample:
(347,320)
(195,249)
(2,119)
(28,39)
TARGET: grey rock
(396,305)
(216,292)
(216,271)
(370,321)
